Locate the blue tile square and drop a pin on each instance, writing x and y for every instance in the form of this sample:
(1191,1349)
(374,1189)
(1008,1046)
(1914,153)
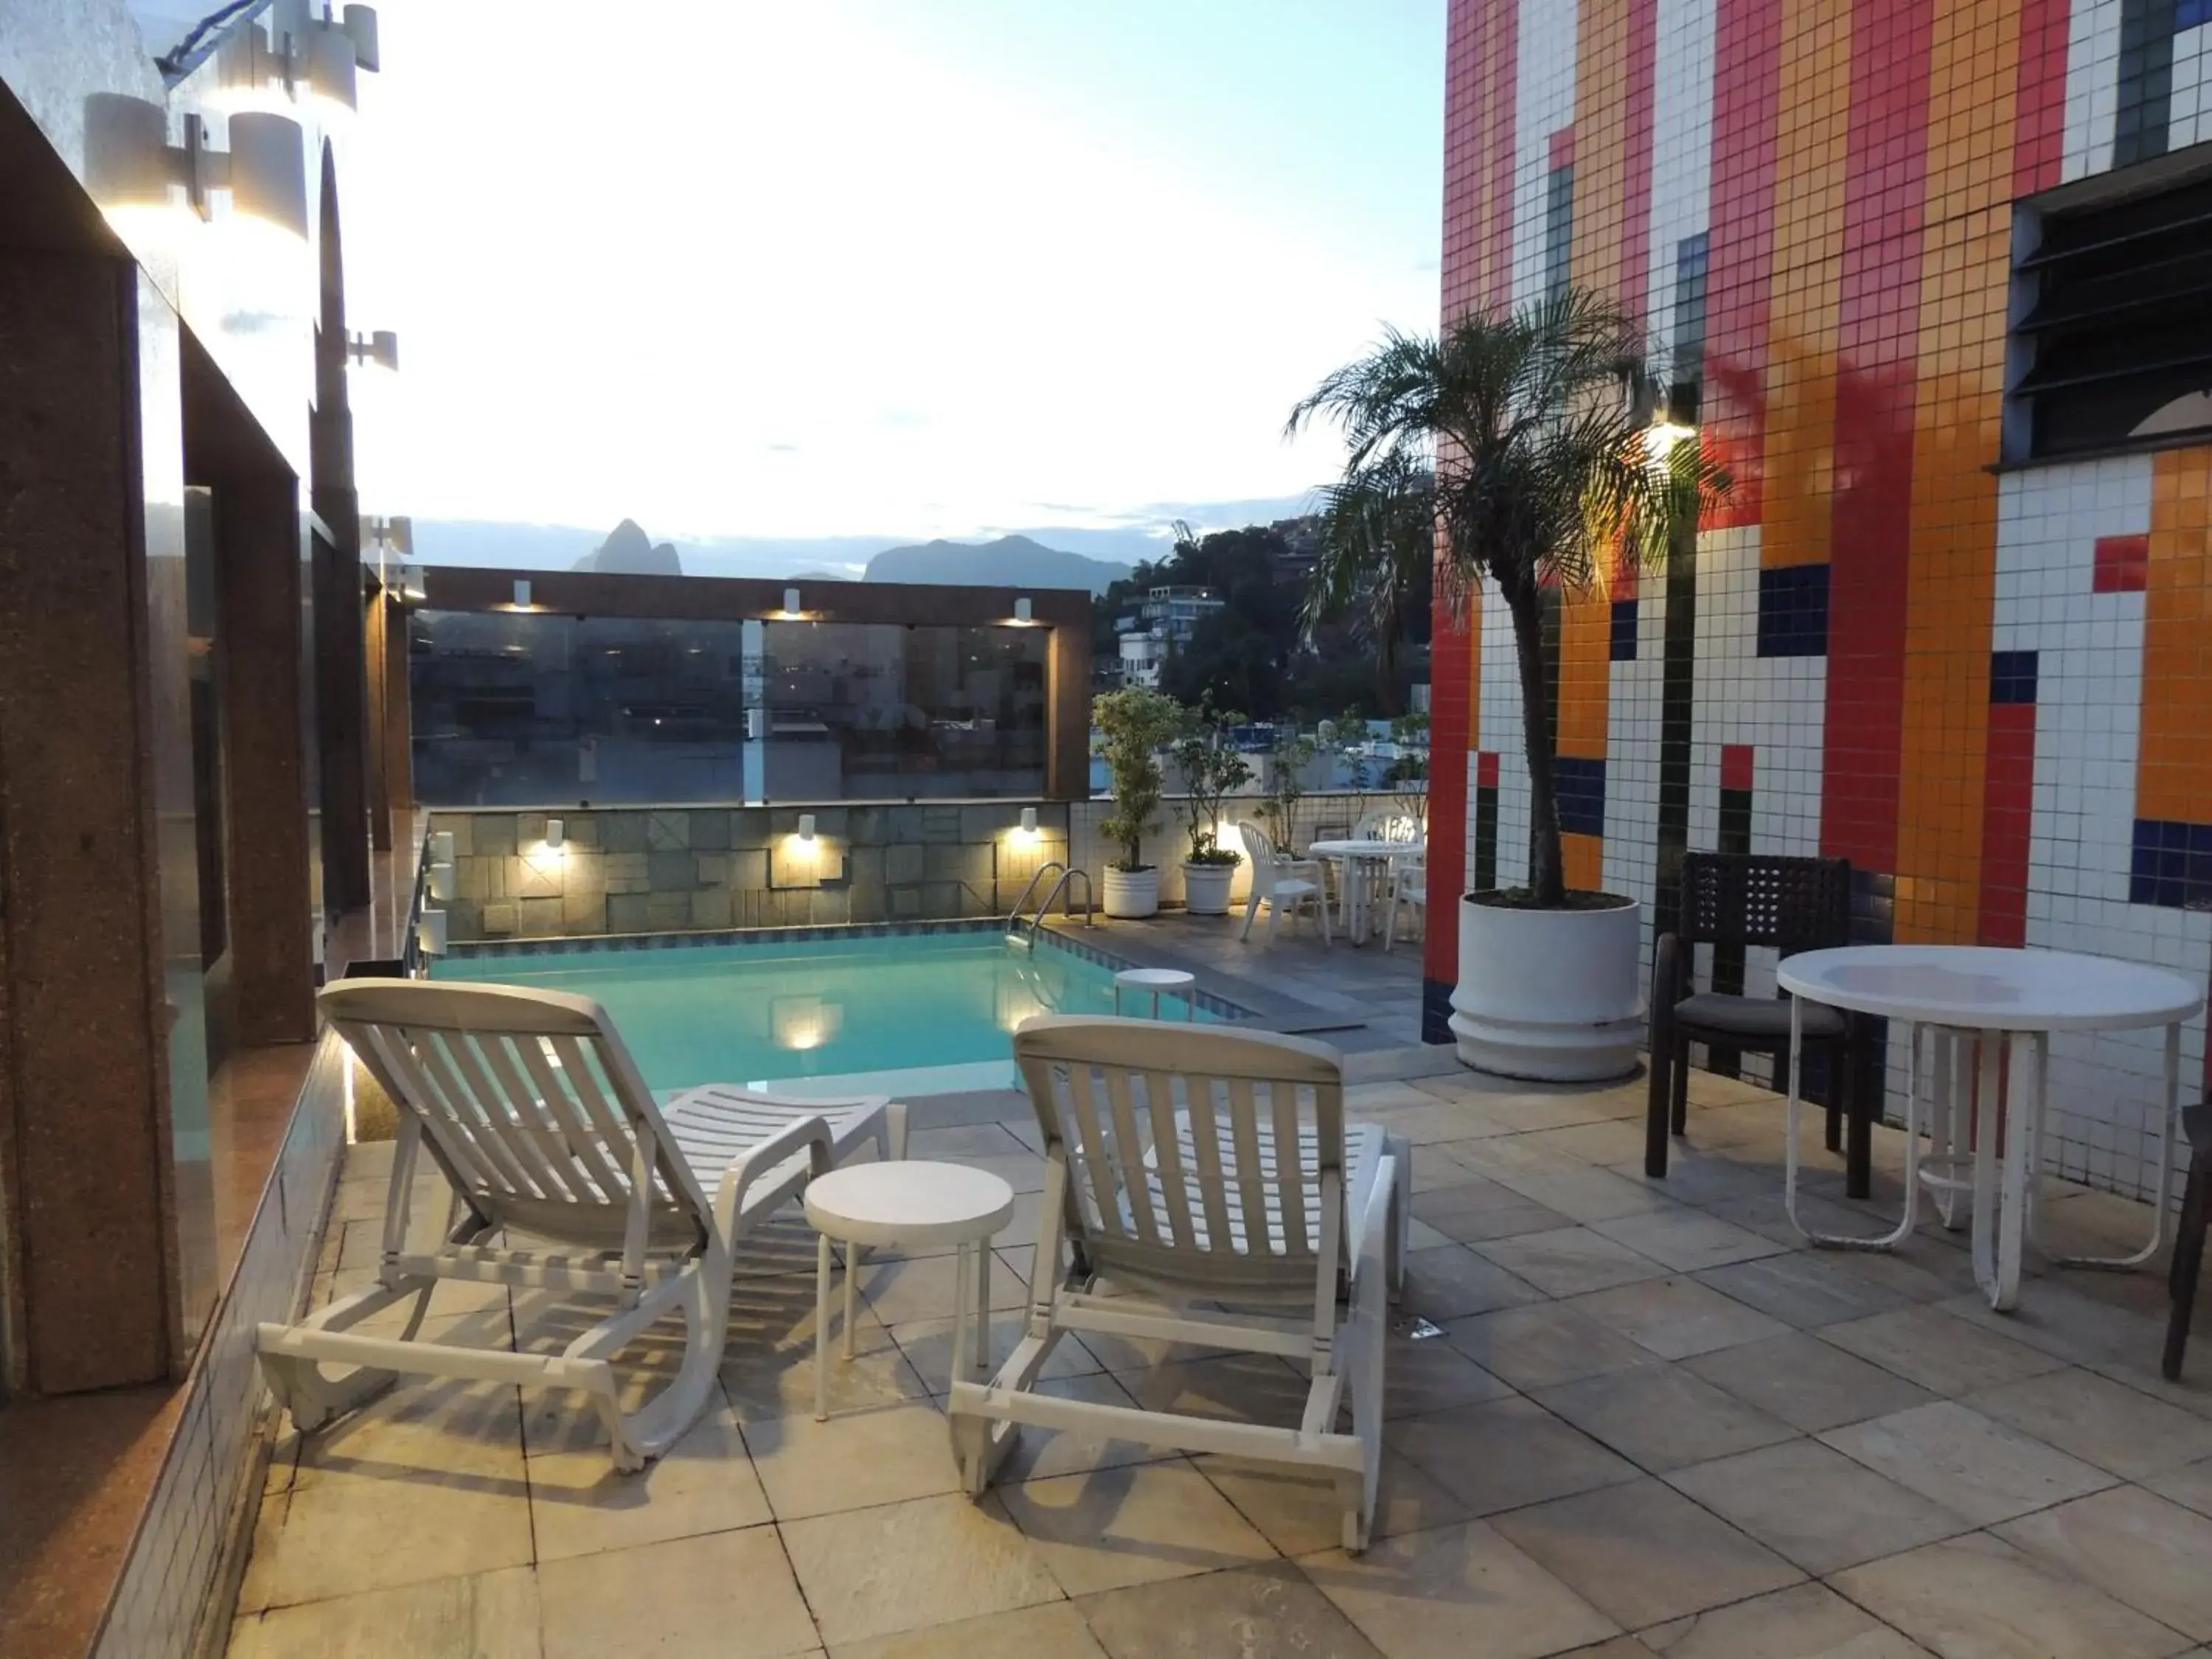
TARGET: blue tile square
(1793,611)
(1582,795)
(1624,630)
(2011,676)
(2172,865)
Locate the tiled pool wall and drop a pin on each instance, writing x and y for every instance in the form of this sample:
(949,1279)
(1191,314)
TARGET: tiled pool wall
(637,870)
(1982,686)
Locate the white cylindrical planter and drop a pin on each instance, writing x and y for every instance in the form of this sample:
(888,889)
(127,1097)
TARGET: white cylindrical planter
(1206,888)
(1551,995)
(1133,894)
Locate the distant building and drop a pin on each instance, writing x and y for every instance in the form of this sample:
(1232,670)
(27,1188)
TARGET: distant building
(1159,625)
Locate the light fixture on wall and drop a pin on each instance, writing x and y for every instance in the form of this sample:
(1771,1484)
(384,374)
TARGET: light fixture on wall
(441,881)
(791,604)
(441,846)
(806,828)
(521,595)
(398,534)
(378,350)
(557,833)
(1023,610)
(430,932)
(1027,833)
(131,167)
(299,55)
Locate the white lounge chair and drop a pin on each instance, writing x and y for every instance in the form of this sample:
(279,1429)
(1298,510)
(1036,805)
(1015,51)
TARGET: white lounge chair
(1278,883)
(1197,1168)
(532,1108)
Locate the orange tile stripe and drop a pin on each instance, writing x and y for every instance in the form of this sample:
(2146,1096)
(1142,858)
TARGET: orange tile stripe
(1602,46)
(2173,767)
(1951,581)
(1811,145)
(1583,858)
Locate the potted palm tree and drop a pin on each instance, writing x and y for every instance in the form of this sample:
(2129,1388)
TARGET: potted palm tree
(1211,768)
(1134,724)
(1548,463)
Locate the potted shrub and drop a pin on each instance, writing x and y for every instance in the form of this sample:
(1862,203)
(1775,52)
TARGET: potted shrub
(1551,465)
(1134,724)
(1210,769)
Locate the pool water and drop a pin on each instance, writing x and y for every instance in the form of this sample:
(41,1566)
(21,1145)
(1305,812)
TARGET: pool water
(915,1012)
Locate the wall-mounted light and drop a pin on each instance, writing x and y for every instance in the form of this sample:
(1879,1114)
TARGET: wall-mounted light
(791,605)
(441,846)
(1028,831)
(130,166)
(379,349)
(299,55)
(521,595)
(430,932)
(398,534)
(806,828)
(441,881)
(1023,609)
(556,833)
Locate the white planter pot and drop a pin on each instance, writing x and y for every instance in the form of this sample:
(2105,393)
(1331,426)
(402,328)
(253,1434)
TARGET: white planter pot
(1133,894)
(1206,888)
(1548,994)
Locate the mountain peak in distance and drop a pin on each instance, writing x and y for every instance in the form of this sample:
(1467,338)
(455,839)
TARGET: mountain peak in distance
(628,551)
(1009,562)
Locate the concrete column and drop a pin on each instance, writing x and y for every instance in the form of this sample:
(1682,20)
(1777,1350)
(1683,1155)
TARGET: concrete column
(272,966)
(1067,715)
(84,1043)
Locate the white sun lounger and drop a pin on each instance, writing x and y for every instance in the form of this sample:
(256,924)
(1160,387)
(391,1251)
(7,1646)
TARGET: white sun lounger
(1195,1168)
(532,1108)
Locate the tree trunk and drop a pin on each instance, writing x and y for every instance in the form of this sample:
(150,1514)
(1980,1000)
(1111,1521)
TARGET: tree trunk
(1547,881)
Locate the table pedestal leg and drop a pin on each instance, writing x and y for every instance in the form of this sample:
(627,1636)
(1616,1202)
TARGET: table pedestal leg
(960,1343)
(1903,1231)
(822,1327)
(2161,1182)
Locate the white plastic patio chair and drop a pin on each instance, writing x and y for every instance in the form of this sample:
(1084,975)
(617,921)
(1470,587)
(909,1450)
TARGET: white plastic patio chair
(1278,883)
(1199,1169)
(1408,880)
(531,1107)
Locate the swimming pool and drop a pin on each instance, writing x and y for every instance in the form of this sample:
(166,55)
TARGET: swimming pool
(915,1012)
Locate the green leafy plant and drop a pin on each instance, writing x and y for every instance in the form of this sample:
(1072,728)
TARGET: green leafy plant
(1287,760)
(1374,559)
(1134,724)
(1211,770)
(1548,463)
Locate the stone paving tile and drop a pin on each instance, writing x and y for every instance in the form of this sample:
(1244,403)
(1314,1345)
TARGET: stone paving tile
(491,1615)
(1053,1629)
(1133,1525)
(907,1566)
(856,1460)
(1675,1318)
(1815,1506)
(2133,1544)
(1663,1416)
(1806,1382)
(1688,1240)
(731,1593)
(579,1504)
(1544,1345)
(1568,1261)
(1976,1597)
(1641,1552)
(2099,1421)
(1269,1609)
(1804,1288)
(1506,1454)
(1807,1619)
(1300,1512)
(1941,1353)
(1454,1281)
(1432,1376)
(1954,1456)
(1456,1592)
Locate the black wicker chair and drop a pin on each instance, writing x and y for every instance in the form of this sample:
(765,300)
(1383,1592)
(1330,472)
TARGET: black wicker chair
(2189,1237)
(1741,899)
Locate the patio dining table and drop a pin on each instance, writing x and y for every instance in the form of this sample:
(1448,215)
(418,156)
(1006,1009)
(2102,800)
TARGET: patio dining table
(1967,1003)
(1362,861)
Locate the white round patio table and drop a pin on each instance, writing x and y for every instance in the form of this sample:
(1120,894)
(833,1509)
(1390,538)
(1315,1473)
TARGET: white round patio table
(1362,859)
(1984,997)
(907,1203)
(1158,981)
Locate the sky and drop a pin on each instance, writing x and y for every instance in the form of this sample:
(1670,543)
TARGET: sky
(906,268)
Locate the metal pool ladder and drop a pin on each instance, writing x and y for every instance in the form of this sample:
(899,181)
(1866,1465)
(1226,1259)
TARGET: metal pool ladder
(1028,941)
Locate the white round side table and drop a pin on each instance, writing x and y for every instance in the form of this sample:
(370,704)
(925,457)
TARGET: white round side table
(905,1203)
(1172,982)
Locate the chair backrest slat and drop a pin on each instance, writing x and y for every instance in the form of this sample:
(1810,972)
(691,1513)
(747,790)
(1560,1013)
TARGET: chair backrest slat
(531,1105)
(1216,1181)
(1757,898)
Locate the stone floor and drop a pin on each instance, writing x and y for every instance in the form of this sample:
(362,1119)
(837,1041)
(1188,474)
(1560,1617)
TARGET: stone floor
(1651,1424)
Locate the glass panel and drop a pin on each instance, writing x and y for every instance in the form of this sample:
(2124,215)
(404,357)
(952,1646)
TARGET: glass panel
(866,712)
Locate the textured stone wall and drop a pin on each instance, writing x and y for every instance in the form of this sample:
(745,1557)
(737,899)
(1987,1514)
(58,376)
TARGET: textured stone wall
(651,870)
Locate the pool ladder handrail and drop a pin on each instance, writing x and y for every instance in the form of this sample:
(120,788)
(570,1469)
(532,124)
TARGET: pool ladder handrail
(1067,875)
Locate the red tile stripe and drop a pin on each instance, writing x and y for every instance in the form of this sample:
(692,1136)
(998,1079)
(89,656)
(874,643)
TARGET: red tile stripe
(2007,812)
(2039,96)
(1737,767)
(1746,78)
(1501,70)
(1877,339)
(1451,731)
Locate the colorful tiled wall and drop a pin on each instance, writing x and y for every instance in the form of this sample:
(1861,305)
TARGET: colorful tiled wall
(1991,690)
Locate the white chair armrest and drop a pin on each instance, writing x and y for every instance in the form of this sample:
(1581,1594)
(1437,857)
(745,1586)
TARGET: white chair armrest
(811,1134)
